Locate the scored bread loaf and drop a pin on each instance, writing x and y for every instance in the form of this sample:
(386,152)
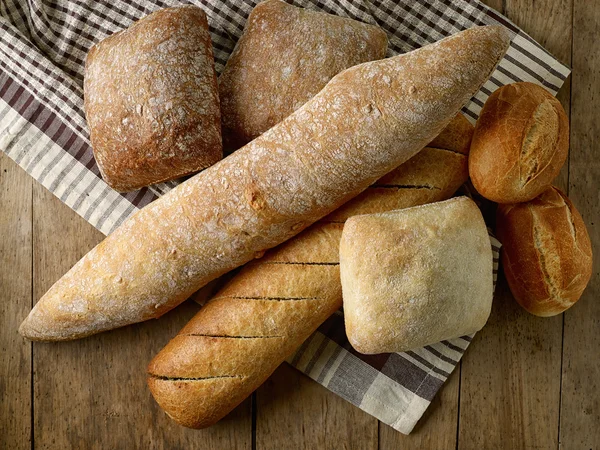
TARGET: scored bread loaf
(266,311)
(546,252)
(284,57)
(367,120)
(520,143)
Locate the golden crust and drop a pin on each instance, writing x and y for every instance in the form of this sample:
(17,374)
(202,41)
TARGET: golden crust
(258,301)
(368,120)
(433,174)
(546,252)
(521,142)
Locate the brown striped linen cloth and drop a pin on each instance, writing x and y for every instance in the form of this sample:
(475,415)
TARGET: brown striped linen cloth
(43,45)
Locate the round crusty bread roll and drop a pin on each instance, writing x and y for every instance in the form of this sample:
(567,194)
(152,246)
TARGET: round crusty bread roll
(520,143)
(546,252)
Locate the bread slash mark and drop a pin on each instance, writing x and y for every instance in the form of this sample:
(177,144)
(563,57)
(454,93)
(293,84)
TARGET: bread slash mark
(224,336)
(300,263)
(166,378)
(446,150)
(539,143)
(276,299)
(405,186)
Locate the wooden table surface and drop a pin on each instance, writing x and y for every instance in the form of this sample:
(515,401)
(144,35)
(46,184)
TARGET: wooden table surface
(525,382)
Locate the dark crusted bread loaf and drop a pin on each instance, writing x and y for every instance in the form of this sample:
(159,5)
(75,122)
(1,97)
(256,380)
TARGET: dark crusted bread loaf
(151,100)
(285,56)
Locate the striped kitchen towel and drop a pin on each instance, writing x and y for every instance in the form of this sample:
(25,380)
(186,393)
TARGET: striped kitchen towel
(43,45)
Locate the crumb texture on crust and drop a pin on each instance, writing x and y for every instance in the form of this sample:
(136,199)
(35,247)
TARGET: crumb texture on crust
(417,276)
(151,100)
(285,56)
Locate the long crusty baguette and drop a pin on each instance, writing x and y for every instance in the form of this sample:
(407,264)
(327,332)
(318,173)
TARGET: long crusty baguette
(266,311)
(364,123)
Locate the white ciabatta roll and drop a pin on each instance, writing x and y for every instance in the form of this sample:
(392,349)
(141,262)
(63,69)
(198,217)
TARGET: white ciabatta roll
(416,276)
(364,123)
(274,304)
(546,252)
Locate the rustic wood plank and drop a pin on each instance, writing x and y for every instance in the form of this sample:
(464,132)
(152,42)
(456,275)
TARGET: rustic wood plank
(510,384)
(15,283)
(580,408)
(498,5)
(92,393)
(436,429)
(295,412)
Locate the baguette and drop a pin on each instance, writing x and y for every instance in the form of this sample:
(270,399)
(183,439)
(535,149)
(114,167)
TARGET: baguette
(367,120)
(266,311)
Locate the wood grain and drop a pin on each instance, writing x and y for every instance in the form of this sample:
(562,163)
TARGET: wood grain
(512,369)
(510,386)
(15,285)
(436,429)
(580,412)
(294,412)
(92,393)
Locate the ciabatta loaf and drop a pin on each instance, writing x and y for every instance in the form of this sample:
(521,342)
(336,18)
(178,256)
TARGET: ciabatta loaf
(416,276)
(367,121)
(152,101)
(286,56)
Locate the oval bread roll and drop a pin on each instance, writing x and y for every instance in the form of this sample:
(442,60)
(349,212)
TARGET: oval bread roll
(546,252)
(520,143)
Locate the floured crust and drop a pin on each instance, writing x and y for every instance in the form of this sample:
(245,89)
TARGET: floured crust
(546,252)
(521,142)
(284,58)
(367,121)
(151,100)
(417,276)
(276,302)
